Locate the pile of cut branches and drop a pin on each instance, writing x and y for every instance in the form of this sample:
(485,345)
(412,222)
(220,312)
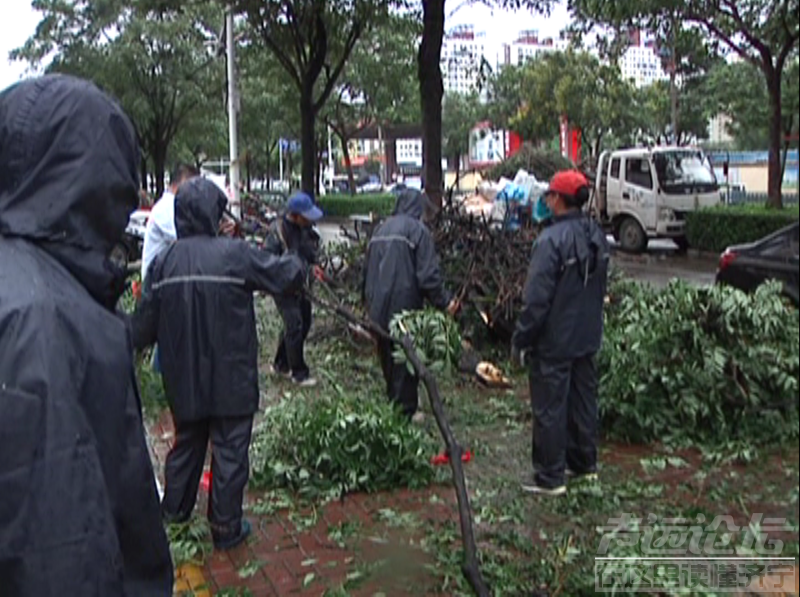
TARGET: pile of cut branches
(485,265)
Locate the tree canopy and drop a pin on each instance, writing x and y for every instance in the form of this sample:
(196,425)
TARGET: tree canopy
(764,33)
(165,50)
(312,41)
(531,99)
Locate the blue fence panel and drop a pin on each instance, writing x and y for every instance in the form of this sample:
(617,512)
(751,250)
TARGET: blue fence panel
(748,157)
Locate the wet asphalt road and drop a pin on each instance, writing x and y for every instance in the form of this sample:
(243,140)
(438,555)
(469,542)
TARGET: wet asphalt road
(657,267)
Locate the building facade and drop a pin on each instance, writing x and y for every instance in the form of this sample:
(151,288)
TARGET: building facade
(463,52)
(642,62)
(528,46)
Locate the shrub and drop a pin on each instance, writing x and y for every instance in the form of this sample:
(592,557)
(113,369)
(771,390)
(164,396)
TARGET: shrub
(341,206)
(151,388)
(714,229)
(703,366)
(339,445)
(436,337)
(539,162)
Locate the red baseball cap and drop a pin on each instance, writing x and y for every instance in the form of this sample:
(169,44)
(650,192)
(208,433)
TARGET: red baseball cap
(567,182)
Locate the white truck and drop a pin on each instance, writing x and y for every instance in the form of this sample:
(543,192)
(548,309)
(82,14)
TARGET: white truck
(644,193)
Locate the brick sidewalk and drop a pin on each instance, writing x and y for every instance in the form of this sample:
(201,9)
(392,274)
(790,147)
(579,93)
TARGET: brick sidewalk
(366,544)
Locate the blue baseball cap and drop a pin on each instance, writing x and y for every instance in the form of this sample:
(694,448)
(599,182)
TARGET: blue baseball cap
(301,204)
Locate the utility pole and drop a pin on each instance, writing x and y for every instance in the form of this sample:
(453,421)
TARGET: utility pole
(233,145)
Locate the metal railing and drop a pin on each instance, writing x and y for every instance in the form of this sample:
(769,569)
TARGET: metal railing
(745,198)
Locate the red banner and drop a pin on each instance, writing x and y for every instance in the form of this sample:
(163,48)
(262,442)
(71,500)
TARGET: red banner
(514,143)
(575,145)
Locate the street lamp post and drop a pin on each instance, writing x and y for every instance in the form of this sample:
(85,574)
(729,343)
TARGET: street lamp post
(233,145)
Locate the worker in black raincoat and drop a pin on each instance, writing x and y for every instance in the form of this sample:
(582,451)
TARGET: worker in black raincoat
(294,232)
(402,270)
(79,510)
(198,303)
(558,334)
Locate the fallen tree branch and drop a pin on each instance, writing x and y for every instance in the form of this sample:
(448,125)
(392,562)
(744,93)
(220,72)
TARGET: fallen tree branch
(471,565)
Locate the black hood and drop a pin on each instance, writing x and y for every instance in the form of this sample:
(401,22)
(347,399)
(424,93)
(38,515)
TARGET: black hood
(68,176)
(199,206)
(411,203)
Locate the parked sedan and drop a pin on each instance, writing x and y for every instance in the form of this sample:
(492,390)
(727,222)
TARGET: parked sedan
(774,257)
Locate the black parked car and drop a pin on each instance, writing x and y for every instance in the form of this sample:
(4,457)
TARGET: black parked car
(774,257)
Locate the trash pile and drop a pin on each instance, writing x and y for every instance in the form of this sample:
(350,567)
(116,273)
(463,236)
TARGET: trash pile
(505,203)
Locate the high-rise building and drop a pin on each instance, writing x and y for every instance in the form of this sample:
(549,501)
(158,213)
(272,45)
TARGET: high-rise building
(528,46)
(642,62)
(463,51)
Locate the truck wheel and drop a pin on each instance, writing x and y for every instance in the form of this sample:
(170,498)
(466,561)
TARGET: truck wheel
(632,237)
(683,244)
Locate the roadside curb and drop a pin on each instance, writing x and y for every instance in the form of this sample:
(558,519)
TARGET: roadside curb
(644,258)
(697,254)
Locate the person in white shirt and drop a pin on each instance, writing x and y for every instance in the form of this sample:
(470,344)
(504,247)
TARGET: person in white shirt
(160,232)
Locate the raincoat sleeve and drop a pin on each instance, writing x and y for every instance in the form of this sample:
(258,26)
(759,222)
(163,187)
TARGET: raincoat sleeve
(540,287)
(265,272)
(310,246)
(429,274)
(144,323)
(364,269)
(273,243)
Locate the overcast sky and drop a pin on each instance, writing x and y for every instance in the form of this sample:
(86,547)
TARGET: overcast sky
(19,21)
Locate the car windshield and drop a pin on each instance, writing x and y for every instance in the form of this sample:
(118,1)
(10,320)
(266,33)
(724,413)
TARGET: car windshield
(685,169)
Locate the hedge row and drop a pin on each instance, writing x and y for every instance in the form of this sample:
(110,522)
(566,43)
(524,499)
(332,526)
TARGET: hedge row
(341,206)
(717,228)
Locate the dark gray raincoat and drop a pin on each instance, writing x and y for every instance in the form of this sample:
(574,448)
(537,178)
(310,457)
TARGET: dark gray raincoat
(79,511)
(198,303)
(402,267)
(402,271)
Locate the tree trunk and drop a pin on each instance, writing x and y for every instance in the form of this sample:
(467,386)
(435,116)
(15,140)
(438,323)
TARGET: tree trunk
(457,158)
(308,140)
(159,166)
(784,157)
(143,173)
(774,178)
(673,106)
(348,164)
(247,164)
(320,166)
(431,92)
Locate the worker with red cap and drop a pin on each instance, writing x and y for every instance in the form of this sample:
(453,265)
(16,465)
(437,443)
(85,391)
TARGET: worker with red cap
(558,334)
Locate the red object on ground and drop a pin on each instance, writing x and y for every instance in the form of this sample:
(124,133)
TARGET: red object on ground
(205,482)
(136,290)
(444,458)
